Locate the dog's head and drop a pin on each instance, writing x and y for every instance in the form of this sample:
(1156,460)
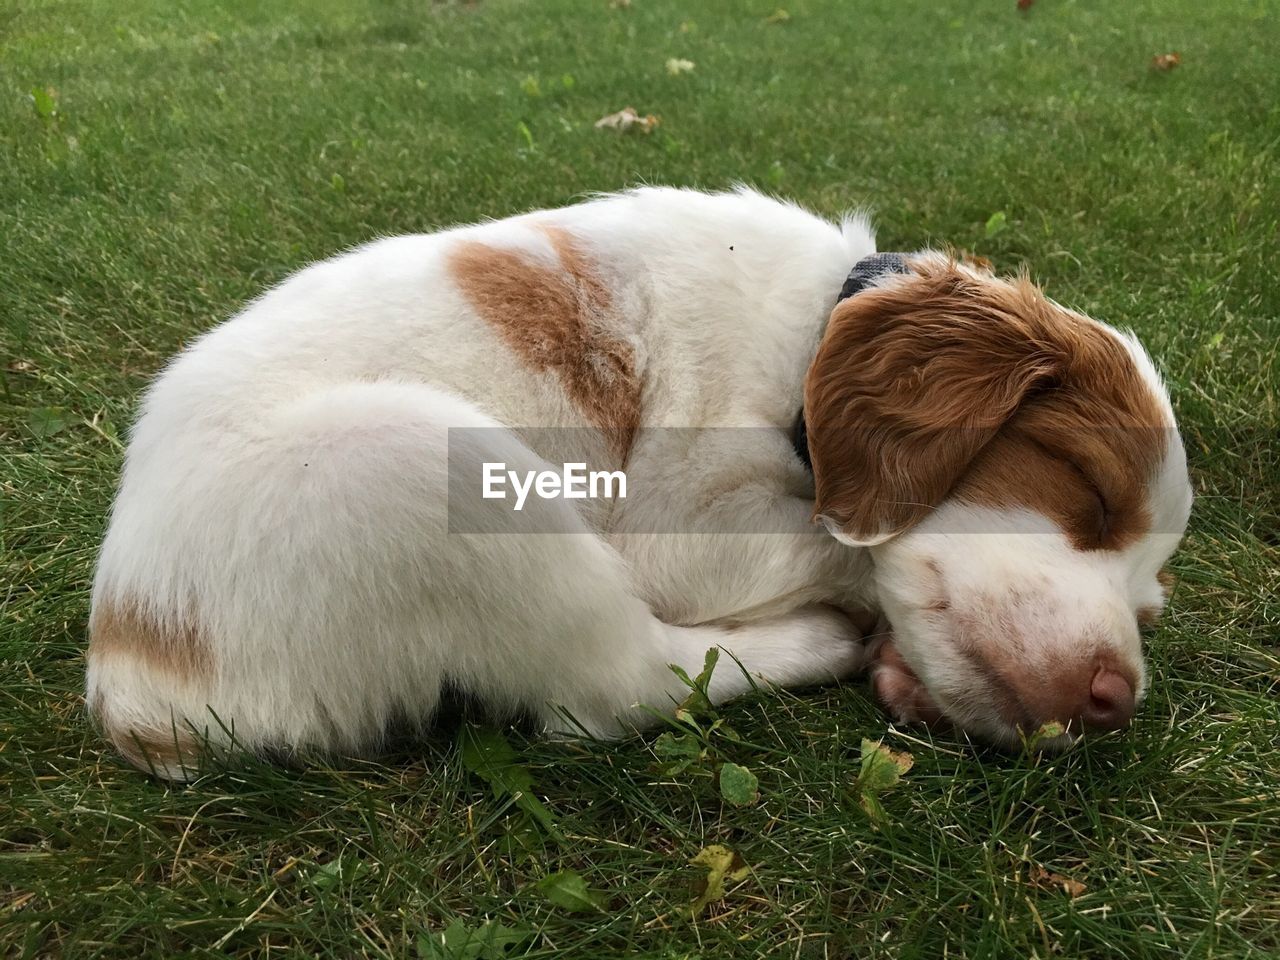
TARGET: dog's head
(1017,473)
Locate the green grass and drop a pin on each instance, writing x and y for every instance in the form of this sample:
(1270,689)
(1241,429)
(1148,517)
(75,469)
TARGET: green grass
(189,153)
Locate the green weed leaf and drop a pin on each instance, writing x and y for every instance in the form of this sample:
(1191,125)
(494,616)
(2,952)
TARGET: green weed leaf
(677,753)
(338,871)
(738,785)
(684,747)
(996,222)
(567,890)
(46,421)
(46,106)
(697,703)
(487,753)
(489,941)
(490,756)
(874,809)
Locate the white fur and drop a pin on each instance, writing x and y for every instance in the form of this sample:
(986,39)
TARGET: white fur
(285,488)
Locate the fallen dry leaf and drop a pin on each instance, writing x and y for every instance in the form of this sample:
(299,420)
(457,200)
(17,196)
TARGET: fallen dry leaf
(1047,880)
(881,767)
(625,119)
(1166,61)
(1042,735)
(881,770)
(778,16)
(722,865)
(1025,4)
(677,66)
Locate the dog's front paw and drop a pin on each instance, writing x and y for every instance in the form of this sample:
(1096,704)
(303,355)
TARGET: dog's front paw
(830,645)
(897,687)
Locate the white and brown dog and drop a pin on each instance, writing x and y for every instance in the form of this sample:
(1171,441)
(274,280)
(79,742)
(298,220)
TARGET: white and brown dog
(296,557)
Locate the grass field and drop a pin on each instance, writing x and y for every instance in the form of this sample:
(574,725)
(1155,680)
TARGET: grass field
(163,160)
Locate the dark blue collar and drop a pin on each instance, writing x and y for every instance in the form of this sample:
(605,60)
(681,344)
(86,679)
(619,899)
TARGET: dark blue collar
(870,269)
(864,273)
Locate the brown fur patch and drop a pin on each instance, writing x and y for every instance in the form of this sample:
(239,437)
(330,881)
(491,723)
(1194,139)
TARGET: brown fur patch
(178,648)
(1149,616)
(171,755)
(558,320)
(944,384)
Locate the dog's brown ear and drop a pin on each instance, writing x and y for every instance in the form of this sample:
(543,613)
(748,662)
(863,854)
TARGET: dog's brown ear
(912,378)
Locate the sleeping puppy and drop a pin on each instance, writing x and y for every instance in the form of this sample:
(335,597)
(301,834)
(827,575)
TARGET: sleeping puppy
(316,531)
